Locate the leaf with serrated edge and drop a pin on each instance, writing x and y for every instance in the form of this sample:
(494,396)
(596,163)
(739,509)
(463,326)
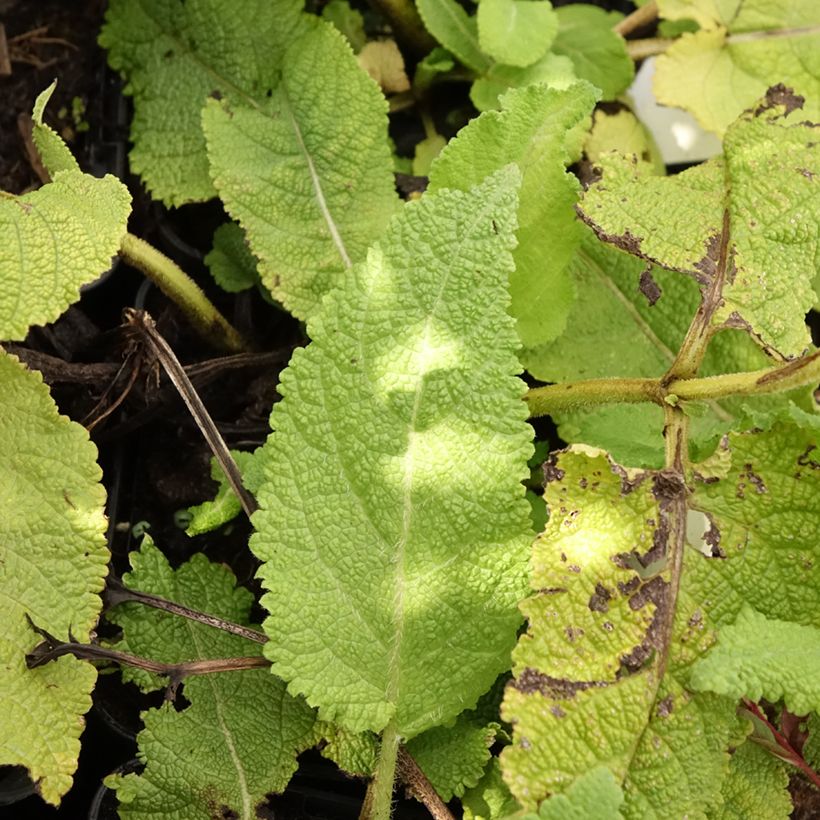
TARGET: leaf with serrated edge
(450,24)
(353,752)
(53,563)
(54,153)
(516,32)
(238,739)
(531,130)
(768,178)
(225,506)
(392,595)
(311,190)
(744,47)
(583,694)
(756,786)
(175,55)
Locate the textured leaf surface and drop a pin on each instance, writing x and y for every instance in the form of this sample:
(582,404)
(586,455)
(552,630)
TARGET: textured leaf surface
(53,241)
(613,330)
(392,595)
(230,261)
(238,739)
(583,696)
(450,24)
(54,153)
(312,190)
(598,54)
(531,131)
(756,786)
(744,47)
(489,799)
(625,133)
(596,795)
(52,567)
(176,54)
(516,32)
(767,188)
(454,757)
(353,752)
(761,658)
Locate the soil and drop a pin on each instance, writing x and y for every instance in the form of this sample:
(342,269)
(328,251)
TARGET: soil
(141,441)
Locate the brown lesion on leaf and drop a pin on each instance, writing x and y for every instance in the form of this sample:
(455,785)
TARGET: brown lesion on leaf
(552,472)
(805,459)
(531,681)
(806,173)
(573,633)
(599,600)
(779,96)
(649,287)
(665,707)
(754,479)
(627,241)
(712,538)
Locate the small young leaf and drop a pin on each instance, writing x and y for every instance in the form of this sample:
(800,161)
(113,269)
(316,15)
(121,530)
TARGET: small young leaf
(238,739)
(225,506)
(516,32)
(175,55)
(230,261)
(534,130)
(757,657)
(392,595)
(53,563)
(450,24)
(311,190)
(756,786)
(54,153)
(383,61)
(599,55)
(625,133)
(743,47)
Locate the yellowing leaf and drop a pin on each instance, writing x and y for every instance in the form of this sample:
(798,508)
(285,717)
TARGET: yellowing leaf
(392,594)
(53,562)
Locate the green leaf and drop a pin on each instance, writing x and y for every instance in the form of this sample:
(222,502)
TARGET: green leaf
(392,595)
(238,739)
(613,330)
(489,799)
(531,130)
(743,48)
(811,748)
(583,694)
(450,24)
(230,261)
(599,55)
(425,152)
(353,752)
(757,786)
(453,757)
(53,563)
(348,21)
(52,242)
(225,506)
(175,55)
(53,152)
(595,795)
(311,190)
(766,179)
(516,32)
(757,657)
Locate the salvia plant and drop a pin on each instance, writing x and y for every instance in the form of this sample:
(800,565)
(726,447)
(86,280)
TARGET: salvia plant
(643,639)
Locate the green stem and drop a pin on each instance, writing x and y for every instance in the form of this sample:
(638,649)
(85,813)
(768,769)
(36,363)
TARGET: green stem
(406,23)
(182,290)
(542,401)
(384,777)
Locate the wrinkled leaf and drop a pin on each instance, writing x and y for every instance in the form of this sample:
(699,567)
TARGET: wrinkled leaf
(755,787)
(230,261)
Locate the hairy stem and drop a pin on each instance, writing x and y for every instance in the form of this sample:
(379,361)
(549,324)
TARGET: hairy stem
(642,16)
(379,801)
(181,289)
(555,397)
(116,593)
(406,23)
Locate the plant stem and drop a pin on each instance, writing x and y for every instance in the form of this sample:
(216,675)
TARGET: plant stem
(181,289)
(379,802)
(117,593)
(543,401)
(641,49)
(406,23)
(419,786)
(642,16)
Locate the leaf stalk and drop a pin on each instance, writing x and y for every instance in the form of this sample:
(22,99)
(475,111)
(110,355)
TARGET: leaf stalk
(379,800)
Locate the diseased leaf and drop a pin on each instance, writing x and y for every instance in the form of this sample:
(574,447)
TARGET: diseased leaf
(311,190)
(625,133)
(743,48)
(450,24)
(53,563)
(598,54)
(454,757)
(595,795)
(516,32)
(175,55)
(583,694)
(392,595)
(533,130)
(756,786)
(768,177)
(230,261)
(489,799)
(238,739)
(757,657)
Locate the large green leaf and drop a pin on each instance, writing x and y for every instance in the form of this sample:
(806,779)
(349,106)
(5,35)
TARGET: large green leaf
(176,54)
(392,594)
(533,129)
(238,739)
(311,189)
(751,219)
(53,562)
(744,47)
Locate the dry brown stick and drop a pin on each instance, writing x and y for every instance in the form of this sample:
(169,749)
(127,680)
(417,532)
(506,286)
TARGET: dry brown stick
(5,61)
(417,784)
(642,16)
